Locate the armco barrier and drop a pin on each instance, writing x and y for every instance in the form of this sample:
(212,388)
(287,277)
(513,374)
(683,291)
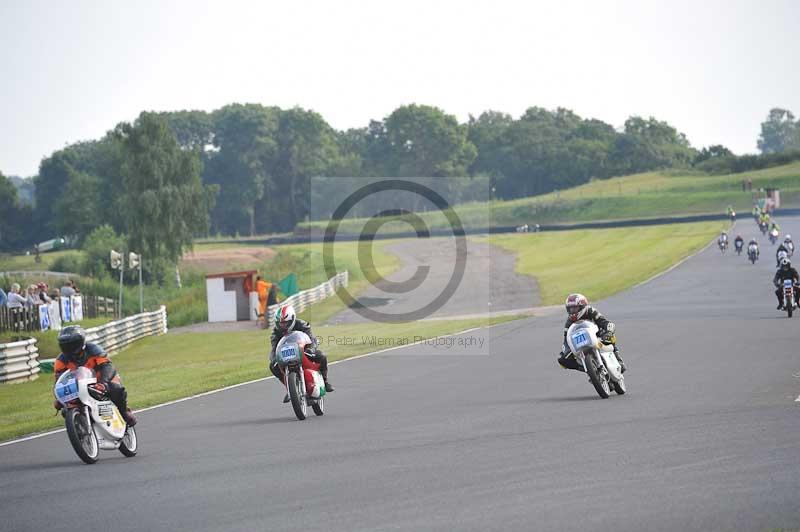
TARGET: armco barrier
(19,361)
(302,300)
(115,335)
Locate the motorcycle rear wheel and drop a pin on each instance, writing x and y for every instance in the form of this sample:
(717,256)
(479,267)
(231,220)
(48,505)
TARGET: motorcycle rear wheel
(81,436)
(600,384)
(299,404)
(129,444)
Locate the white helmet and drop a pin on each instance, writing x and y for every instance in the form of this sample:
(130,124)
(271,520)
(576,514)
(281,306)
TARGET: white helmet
(787,238)
(285,318)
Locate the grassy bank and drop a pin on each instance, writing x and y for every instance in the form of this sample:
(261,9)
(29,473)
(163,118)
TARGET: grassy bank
(198,363)
(647,195)
(599,263)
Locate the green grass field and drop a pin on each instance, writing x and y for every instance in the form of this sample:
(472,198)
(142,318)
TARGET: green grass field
(609,260)
(647,195)
(163,368)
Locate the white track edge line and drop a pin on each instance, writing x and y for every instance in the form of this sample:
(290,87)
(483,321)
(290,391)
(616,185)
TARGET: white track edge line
(232,386)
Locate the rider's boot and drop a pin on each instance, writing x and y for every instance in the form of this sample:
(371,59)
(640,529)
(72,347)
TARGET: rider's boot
(619,359)
(568,362)
(129,418)
(323,370)
(286,398)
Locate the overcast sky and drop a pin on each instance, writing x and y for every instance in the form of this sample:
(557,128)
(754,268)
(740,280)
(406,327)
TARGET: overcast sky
(70,71)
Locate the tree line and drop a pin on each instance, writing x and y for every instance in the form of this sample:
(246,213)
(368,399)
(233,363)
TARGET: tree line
(247,168)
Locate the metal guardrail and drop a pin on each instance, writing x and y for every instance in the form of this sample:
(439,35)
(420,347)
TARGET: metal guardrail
(115,335)
(19,361)
(305,298)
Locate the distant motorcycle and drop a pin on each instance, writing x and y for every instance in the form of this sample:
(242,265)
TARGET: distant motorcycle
(301,375)
(764,228)
(789,302)
(752,253)
(723,245)
(773,236)
(780,256)
(92,421)
(738,245)
(597,358)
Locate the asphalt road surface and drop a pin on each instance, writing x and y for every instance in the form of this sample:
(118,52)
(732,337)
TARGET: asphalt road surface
(489,282)
(424,438)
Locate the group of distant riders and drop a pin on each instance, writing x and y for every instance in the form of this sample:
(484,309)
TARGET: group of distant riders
(783,253)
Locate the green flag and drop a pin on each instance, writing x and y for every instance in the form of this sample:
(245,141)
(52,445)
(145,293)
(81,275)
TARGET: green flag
(288,285)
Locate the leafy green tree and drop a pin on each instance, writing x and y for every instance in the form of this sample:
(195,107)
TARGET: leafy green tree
(245,137)
(17,228)
(779,132)
(97,246)
(425,141)
(712,152)
(164,201)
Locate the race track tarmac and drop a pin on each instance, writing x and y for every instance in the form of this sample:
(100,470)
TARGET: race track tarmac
(464,437)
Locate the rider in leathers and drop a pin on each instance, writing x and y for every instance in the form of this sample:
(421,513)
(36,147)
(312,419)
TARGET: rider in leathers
(783,248)
(785,272)
(76,352)
(578,308)
(286,321)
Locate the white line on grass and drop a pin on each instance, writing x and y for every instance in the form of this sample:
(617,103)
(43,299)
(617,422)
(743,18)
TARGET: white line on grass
(232,386)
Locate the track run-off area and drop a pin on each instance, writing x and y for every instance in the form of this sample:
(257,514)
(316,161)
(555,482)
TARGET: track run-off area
(483,431)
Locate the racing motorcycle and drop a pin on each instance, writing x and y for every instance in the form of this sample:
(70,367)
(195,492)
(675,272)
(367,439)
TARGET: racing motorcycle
(597,358)
(764,228)
(752,253)
(301,375)
(773,236)
(723,245)
(789,302)
(738,245)
(93,422)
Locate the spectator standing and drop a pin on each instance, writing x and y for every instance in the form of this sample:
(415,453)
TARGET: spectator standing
(67,290)
(262,287)
(15,299)
(43,293)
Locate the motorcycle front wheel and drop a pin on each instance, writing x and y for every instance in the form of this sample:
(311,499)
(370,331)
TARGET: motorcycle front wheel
(319,406)
(600,384)
(296,395)
(81,435)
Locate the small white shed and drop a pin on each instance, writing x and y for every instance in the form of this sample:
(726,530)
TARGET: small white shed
(231,296)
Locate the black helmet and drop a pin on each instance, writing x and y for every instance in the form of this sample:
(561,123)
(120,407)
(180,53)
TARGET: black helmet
(72,340)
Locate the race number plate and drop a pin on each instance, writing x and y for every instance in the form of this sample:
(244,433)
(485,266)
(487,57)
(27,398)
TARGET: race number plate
(580,339)
(67,391)
(787,283)
(289,353)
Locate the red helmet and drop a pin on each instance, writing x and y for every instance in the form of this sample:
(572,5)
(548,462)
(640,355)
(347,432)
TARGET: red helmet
(576,304)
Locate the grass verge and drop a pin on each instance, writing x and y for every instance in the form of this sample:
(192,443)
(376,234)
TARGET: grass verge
(199,363)
(602,262)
